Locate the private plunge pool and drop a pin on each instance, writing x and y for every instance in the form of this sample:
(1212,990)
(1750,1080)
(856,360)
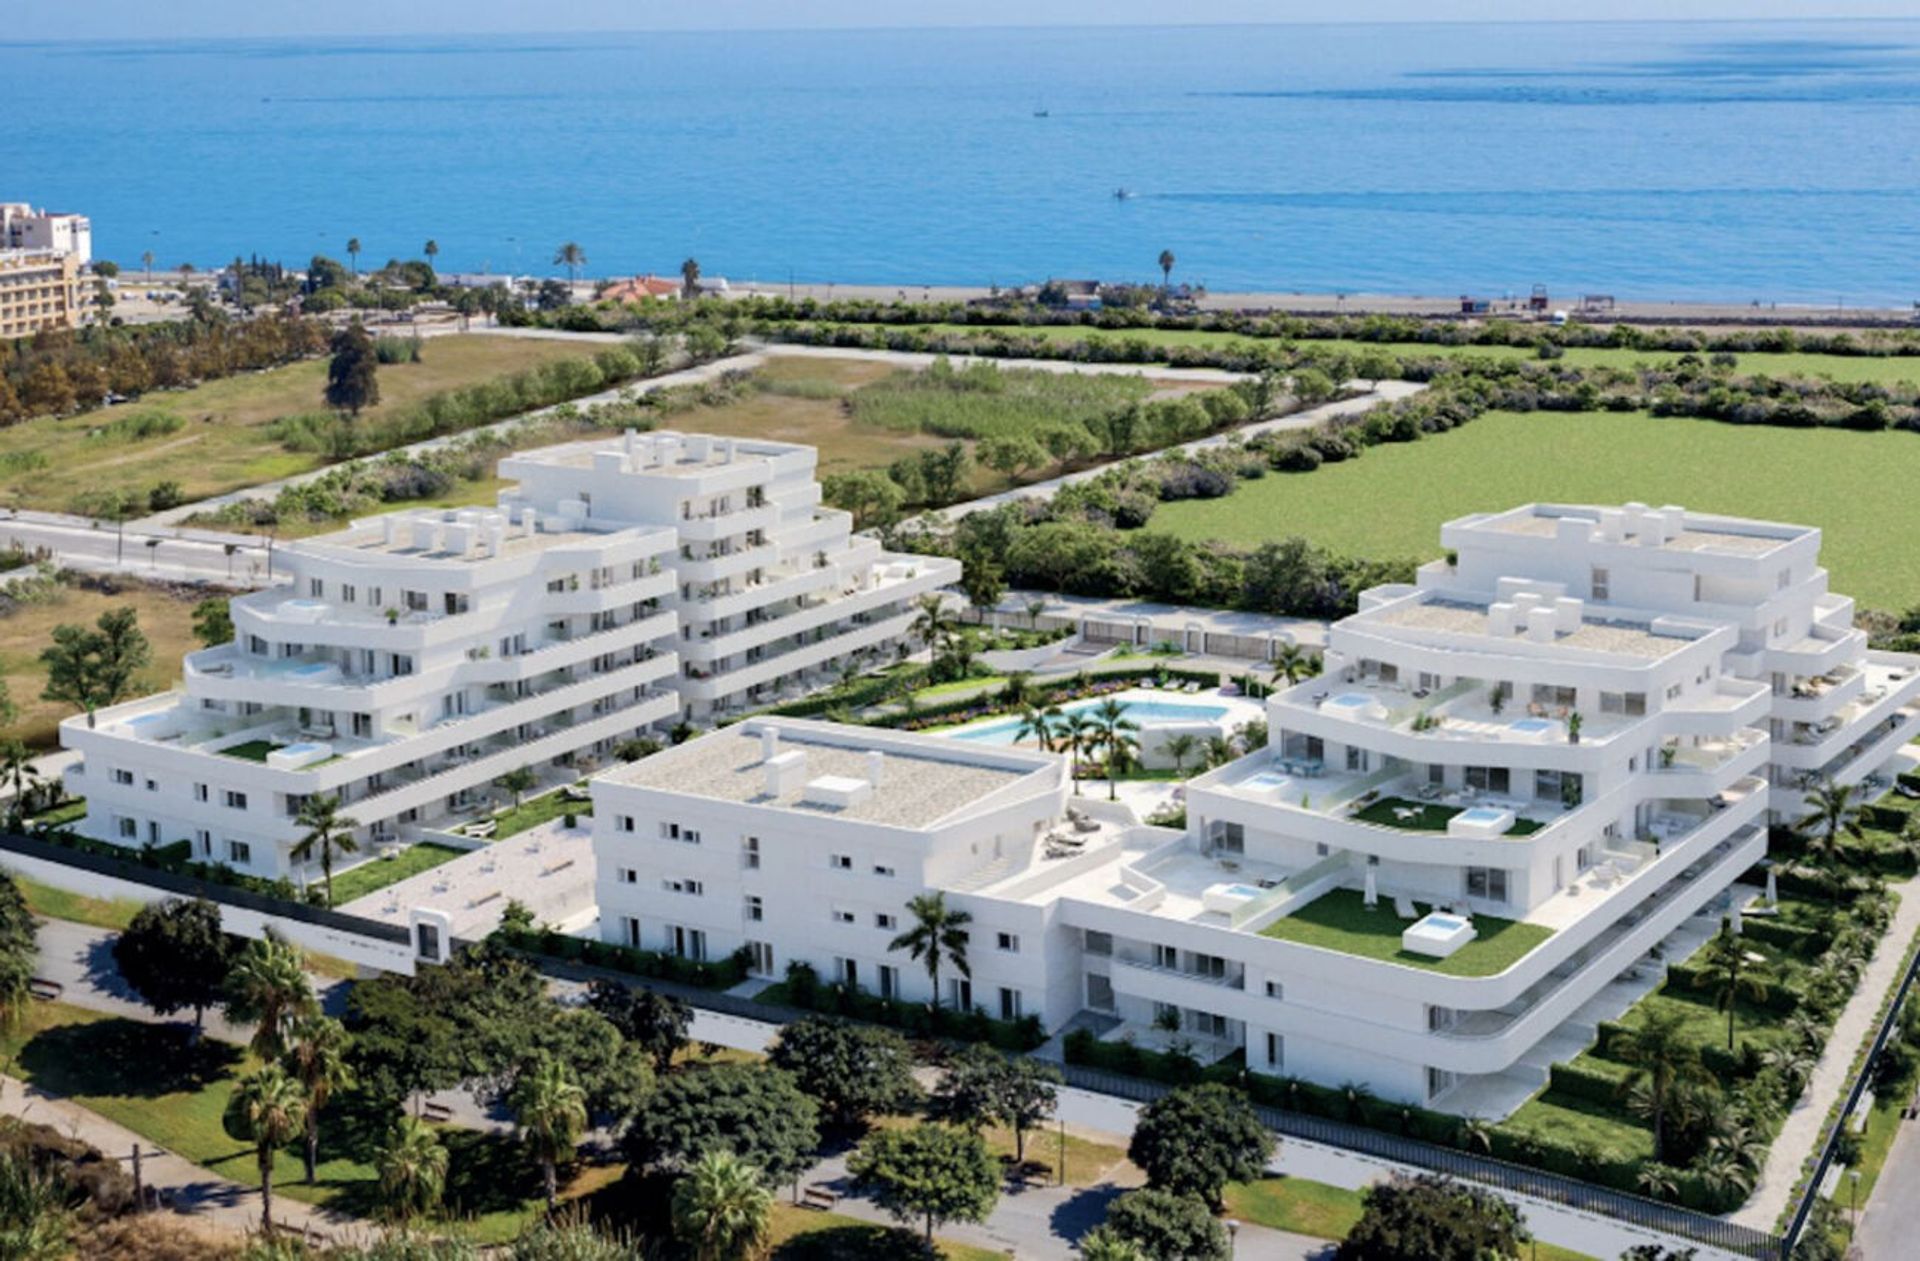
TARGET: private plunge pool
(1146,712)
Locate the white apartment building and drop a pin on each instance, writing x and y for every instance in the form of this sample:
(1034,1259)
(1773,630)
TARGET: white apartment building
(1516,777)
(622,586)
(22,227)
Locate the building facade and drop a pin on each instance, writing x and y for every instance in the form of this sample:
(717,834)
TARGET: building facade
(414,658)
(22,227)
(43,260)
(1517,777)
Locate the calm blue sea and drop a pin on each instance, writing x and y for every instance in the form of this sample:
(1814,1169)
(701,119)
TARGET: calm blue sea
(1769,161)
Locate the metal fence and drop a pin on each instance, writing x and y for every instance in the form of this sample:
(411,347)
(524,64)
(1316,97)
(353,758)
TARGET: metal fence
(1668,1219)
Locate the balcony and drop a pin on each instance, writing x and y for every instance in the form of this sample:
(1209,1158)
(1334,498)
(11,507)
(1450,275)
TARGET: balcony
(1227,975)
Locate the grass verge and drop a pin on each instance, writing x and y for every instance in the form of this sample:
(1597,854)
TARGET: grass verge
(1341,921)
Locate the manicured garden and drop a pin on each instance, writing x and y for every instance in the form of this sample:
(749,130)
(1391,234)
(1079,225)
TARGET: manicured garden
(1854,486)
(534,811)
(1341,920)
(377,873)
(1426,816)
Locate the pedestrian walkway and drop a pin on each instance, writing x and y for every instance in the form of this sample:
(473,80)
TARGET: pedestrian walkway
(1805,1125)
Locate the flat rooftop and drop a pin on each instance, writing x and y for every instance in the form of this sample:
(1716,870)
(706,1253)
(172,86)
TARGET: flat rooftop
(658,453)
(374,537)
(919,786)
(1695,533)
(1464,617)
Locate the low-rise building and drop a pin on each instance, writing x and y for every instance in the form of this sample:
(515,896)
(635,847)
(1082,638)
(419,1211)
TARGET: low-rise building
(1517,777)
(40,289)
(624,585)
(22,227)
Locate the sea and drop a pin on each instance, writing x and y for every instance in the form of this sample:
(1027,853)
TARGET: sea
(1769,162)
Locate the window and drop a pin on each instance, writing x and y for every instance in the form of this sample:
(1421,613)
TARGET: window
(626,875)
(1098,943)
(416,601)
(886,920)
(1356,758)
(200,792)
(1212,966)
(122,777)
(1165,957)
(346,593)
(127,829)
(316,588)
(1276,1050)
(669,831)
(960,993)
(889,981)
(1207,1024)
(750,857)
(1785,580)
(1487,883)
(688,943)
(1009,1004)
(1277,991)
(840,862)
(239,853)
(691,887)
(1630,703)
(1556,697)
(373,596)
(235,800)
(630,931)
(203,842)
(756,910)
(1599,584)
(689,836)
(841,916)
(881,869)
(153,786)
(847,972)
(1231,838)
(1492,779)
(1009,942)
(623,823)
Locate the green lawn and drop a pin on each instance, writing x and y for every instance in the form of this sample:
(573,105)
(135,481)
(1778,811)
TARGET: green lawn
(801,1234)
(1857,487)
(537,810)
(1431,817)
(378,873)
(48,902)
(942,691)
(1341,921)
(252,750)
(1306,1207)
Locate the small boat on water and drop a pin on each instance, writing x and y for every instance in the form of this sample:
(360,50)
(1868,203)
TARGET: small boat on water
(1123,194)
(1041,111)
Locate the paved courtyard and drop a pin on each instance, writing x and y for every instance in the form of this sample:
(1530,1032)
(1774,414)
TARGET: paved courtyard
(550,868)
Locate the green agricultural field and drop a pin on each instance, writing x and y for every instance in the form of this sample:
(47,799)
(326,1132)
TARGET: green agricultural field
(1857,487)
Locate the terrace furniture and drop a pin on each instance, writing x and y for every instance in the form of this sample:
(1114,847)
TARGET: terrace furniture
(1403,813)
(819,1195)
(482,829)
(1403,907)
(1429,792)
(1908,791)
(1084,824)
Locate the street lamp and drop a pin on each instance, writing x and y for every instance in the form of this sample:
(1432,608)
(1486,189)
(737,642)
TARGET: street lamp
(1233,1234)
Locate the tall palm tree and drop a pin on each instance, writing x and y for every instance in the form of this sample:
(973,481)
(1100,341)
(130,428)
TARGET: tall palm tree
(317,1058)
(146,258)
(1833,814)
(431,250)
(268,1108)
(16,772)
(518,781)
(1294,663)
(1102,1244)
(1217,751)
(328,832)
(722,1211)
(938,936)
(690,278)
(1076,732)
(353,253)
(1166,269)
(571,257)
(1039,725)
(1180,747)
(551,1111)
(1123,755)
(1116,735)
(413,1170)
(933,627)
(1664,1059)
(1731,971)
(269,988)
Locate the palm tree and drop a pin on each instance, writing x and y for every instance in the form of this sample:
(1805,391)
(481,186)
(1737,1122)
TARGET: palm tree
(518,781)
(571,257)
(353,253)
(1076,732)
(1476,1133)
(38,1222)
(16,772)
(328,832)
(1730,971)
(1166,269)
(1123,755)
(1039,724)
(146,258)
(1217,751)
(1663,1060)
(934,625)
(431,250)
(269,987)
(551,1111)
(1658,1181)
(1833,814)
(269,1108)
(938,936)
(1102,1244)
(1116,738)
(317,1058)
(1180,747)
(1294,663)
(690,278)
(721,1210)
(1724,1177)
(413,1170)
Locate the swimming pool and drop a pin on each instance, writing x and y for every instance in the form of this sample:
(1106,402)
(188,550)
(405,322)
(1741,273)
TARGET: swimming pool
(1444,923)
(1482,814)
(1145,712)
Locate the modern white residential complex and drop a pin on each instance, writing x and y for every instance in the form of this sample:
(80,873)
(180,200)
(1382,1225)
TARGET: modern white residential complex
(1515,778)
(623,585)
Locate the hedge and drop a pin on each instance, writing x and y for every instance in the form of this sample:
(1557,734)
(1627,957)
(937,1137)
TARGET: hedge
(1583,1082)
(859,694)
(653,964)
(1722,1063)
(803,989)
(1795,939)
(1781,1000)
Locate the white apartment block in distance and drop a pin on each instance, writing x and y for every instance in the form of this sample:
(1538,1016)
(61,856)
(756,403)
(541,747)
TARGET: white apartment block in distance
(415,657)
(24,228)
(1515,779)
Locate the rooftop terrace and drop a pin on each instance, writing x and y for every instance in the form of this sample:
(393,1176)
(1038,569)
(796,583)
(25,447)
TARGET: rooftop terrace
(1676,529)
(1463,617)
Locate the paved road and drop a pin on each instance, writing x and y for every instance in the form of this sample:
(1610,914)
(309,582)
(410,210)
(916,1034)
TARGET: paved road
(176,554)
(1890,1221)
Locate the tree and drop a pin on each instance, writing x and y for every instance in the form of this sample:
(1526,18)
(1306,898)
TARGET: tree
(431,250)
(573,258)
(1029,1093)
(269,988)
(1103,1244)
(1199,1138)
(353,252)
(92,669)
(1664,1059)
(853,1071)
(1167,1226)
(656,1023)
(983,582)
(550,1110)
(983,1086)
(690,279)
(1294,663)
(213,622)
(176,957)
(1180,747)
(317,1058)
(1428,1217)
(36,1223)
(267,1109)
(1833,814)
(1730,972)
(938,937)
(412,1165)
(1375,365)
(935,624)
(1078,734)
(1116,738)
(146,259)
(352,380)
(328,831)
(722,1210)
(871,496)
(518,781)
(19,952)
(752,1111)
(930,1173)
(1039,725)
(1166,269)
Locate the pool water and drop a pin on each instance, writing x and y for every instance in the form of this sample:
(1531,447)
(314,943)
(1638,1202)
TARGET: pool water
(1481,814)
(1350,700)
(1242,891)
(302,748)
(1143,712)
(1530,724)
(1444,923)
